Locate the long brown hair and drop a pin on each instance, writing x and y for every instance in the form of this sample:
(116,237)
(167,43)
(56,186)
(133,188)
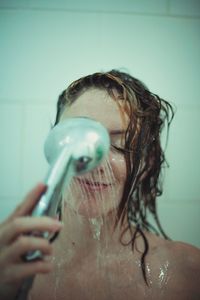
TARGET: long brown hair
(144,156)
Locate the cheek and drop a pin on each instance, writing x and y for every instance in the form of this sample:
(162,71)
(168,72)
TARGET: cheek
(118,165)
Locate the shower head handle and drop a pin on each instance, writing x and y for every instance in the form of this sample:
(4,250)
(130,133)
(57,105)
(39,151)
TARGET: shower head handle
(73,147)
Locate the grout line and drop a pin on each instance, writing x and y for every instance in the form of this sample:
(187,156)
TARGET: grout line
(35,101)
(23,126)
(3,101)
(166,202)
(168,6)
(64,10)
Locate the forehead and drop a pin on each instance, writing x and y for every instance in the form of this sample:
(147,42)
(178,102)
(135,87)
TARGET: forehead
(98,105)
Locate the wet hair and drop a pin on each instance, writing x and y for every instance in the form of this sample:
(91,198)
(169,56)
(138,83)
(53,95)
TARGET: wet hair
(144,156)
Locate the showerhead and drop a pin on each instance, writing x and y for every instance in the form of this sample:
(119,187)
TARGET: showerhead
(86,141)
(73,147)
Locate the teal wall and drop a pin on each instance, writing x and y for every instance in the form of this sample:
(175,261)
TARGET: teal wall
(44,45)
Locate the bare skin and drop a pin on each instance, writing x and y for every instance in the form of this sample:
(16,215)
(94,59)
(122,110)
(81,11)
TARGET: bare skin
(90,268)
(87,269)
(85,266)
(14,243)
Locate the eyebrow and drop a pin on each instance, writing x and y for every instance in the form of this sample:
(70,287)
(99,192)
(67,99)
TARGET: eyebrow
(116,132)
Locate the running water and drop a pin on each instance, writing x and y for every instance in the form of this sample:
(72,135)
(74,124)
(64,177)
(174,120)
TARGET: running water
(93,195)
(89,199)
(96,227)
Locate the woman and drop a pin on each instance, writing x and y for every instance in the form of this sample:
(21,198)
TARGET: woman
(107,249)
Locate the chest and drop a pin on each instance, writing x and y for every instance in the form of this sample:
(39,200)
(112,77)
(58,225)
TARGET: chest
(91,281)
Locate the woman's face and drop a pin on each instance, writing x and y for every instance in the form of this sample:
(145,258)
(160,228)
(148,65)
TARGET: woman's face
(99,192)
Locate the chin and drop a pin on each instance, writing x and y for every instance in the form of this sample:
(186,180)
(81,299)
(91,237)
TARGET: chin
(90,211)
(93,207)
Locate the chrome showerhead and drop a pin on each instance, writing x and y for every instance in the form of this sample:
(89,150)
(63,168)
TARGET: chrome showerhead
(86,141)
(73,147)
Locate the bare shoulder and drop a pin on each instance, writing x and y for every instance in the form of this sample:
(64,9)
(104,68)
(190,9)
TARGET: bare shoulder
(175,251)
(189,253)
(186,259)
(178,264)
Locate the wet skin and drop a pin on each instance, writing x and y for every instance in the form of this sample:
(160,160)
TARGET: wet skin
(172,271)
(102,268)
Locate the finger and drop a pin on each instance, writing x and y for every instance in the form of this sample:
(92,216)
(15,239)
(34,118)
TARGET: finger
(22,246)
(25,225)
(21,271)
(29,202)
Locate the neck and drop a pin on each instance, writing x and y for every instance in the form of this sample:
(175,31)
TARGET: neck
(83,237)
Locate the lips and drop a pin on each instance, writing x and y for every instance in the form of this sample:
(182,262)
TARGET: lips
(93,185)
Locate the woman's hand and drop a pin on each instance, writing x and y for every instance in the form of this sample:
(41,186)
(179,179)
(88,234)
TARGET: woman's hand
(14,243)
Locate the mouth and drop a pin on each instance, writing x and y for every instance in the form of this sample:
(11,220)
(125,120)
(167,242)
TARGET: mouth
(93,185)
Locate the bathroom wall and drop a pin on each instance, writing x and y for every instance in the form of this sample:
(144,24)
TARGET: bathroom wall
(44,45)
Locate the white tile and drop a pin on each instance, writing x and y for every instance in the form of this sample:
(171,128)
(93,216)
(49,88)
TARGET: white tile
(10,150)
(185,7)
(41,52)
(183,155)
(181,221)
(142,6)
(162,52)
(38,120)
(58,47)
(7,206)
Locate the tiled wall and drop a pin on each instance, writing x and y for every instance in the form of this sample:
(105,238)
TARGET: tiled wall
(44,45)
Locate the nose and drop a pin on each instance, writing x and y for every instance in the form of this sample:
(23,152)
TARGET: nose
(118,165)
(115,157)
